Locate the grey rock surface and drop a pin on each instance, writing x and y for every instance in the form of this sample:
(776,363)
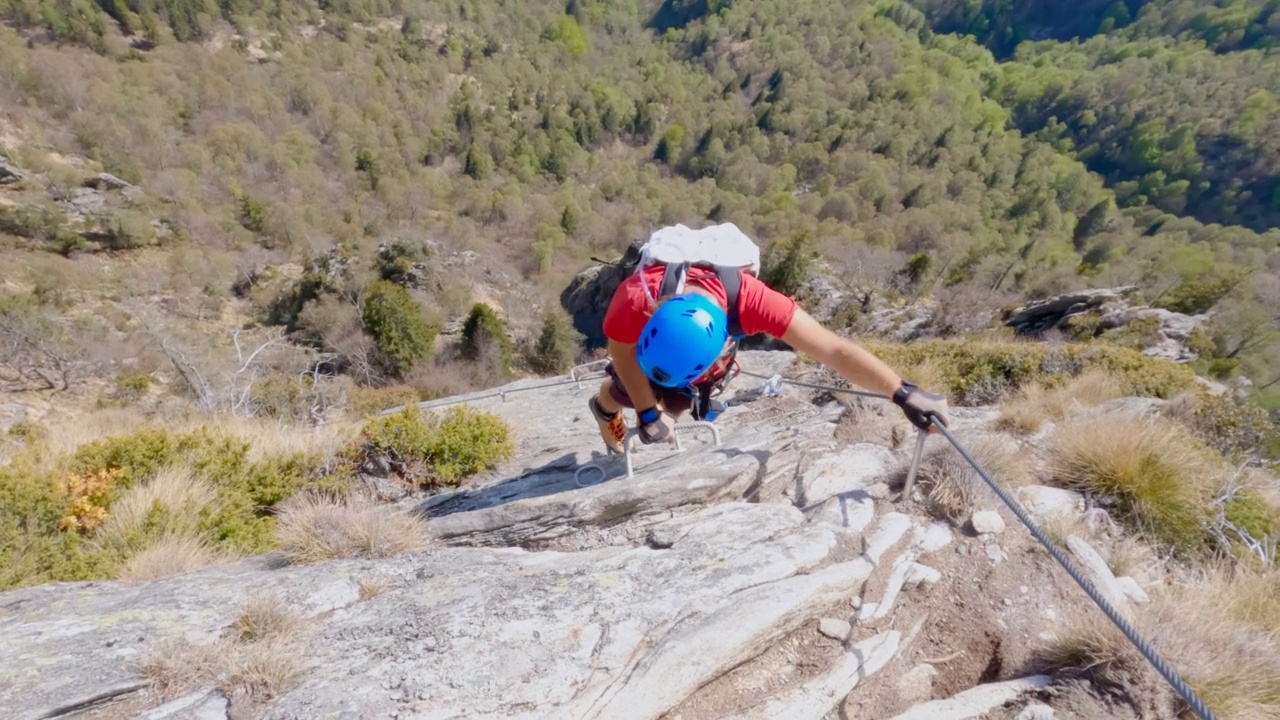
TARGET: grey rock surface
(546,592)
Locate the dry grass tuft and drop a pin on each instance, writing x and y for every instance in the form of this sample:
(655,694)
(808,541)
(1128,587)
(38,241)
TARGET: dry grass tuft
(951,487)
(258,659)
(1028,409)
(313,527)
(1161,477)
(183,499)
(1224,646)
(170,555)
(372,587)
(263,670)
(266,617)
(176,665)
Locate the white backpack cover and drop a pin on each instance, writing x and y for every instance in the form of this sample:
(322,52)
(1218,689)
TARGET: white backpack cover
(721,245)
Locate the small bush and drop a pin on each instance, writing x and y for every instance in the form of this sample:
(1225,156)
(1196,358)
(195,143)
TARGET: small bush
(87,496)
(131,387)
(483,335)
(979,371)
(557,344)
(1158,474)
(1236,428)
(441,450)
(395,322)
(313,528)
(363,401)
(786,266)
(1138,334)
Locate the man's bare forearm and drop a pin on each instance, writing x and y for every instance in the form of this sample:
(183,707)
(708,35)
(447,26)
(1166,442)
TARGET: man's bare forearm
(846,357)
(861,368)
(634,381)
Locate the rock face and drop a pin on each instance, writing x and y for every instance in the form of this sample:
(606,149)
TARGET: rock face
(718,581)
(587,296)
(1112,309)
(1041,315)
(9,173)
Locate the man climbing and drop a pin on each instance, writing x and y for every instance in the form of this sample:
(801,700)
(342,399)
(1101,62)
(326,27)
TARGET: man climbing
(673,326)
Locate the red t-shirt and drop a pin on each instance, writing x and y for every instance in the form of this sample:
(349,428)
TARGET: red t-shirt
(761,309)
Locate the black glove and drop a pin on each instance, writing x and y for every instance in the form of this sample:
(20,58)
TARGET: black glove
(653,427)
(922,408)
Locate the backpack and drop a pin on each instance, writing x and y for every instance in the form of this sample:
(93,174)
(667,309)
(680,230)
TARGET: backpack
(723,249)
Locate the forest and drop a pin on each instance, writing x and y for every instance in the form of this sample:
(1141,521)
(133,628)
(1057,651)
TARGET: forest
(976,153)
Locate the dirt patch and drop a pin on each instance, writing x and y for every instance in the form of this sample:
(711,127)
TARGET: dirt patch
(997,599)
(793,660)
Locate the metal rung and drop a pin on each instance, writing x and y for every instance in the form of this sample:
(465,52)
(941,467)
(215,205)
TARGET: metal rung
(627,443)
(573,373)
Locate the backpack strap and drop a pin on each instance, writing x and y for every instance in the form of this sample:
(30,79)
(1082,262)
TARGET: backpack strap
(673,279)
(731,279)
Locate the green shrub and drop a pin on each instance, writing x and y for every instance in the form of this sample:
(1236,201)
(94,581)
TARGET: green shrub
(32,547)
(1084,327)
(441,450)
(130,229)
(1251,513)
(1236,428)
(131,387)
(484,336)
(785,266)
(1138,333)
(980,371)
(1158,476)
(47,532)
(394,321)
(557,344)
(364,401)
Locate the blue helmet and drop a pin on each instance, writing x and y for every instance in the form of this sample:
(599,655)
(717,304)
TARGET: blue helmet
(684,337)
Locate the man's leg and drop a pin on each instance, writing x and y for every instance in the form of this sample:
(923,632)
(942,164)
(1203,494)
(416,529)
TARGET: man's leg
(606,406)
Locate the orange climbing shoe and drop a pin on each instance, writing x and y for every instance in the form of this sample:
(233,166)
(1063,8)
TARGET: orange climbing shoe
(613,430)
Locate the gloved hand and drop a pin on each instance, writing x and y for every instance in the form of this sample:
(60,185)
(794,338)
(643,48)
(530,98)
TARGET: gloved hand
(653,427)
(922,408)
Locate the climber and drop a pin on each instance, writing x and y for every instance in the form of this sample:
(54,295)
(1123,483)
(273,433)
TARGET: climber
(673,326)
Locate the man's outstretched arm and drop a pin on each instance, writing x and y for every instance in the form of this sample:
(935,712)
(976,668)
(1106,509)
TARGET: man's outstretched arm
(859,366)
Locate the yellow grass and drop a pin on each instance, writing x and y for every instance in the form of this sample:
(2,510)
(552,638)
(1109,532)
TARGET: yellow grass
(183,499)
(266,617)
(170,555)
(312,527)
(1028,409)
(1225,644)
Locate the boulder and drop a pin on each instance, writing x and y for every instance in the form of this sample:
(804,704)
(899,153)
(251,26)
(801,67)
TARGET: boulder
(587,296)
(1041,315)
(9,173)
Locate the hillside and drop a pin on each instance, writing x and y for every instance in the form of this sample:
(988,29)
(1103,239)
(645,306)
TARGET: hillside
(232,235)
(282,161)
